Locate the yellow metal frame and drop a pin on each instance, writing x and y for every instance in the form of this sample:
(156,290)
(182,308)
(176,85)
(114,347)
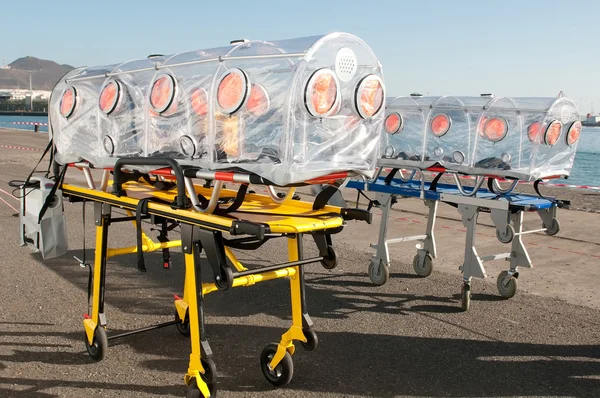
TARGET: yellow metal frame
(292,218)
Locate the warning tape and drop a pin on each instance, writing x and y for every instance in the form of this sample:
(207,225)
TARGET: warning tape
(20,147)
(32,123)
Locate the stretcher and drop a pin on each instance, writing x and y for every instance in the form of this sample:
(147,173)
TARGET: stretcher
(505,207)
(212,220)
(279,114)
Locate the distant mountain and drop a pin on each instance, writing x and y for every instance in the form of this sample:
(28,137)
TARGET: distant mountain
(44,74)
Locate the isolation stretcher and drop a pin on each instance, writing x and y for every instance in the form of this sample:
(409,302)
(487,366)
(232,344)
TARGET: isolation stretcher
(250,221)
(505,208)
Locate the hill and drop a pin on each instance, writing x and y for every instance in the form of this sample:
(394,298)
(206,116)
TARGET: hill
(44,74)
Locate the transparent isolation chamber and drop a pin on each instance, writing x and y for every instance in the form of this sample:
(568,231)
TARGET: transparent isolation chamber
(518,138)
(288,110)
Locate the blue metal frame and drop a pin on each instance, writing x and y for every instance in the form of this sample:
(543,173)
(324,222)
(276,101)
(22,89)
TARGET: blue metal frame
(517,201)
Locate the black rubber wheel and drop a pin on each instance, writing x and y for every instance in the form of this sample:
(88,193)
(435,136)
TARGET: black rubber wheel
(225,280)
(312,341)
(553,229)
(465,297)
(283,372)
(510,235)
(97,350)
(331,261)
(194,392)
(423,269)
(183,327)
(379,273)
(507,285)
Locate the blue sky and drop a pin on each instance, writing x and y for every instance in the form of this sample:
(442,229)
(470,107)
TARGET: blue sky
(512,48)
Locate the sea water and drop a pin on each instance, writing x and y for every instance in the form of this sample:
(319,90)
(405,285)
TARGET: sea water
(584,172)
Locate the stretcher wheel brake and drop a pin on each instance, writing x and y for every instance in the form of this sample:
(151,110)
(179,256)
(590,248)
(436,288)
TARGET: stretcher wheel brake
(507,284)
(282,373)
(510,234)
(552,229)
(97,350)
(330,261)
(423,267)
(225,280)
(312,341)
(379,273)
(465,297)
(183,326)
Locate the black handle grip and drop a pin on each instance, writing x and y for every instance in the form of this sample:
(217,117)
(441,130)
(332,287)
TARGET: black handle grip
(357,214)
(181,201)
(242,227)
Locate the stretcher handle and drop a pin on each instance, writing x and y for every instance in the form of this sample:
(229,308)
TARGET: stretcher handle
(181,201)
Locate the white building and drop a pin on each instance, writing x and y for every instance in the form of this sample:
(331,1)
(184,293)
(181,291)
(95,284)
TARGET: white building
(21,94)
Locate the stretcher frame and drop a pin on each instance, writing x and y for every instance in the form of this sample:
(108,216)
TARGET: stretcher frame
(506,210)
(202,228)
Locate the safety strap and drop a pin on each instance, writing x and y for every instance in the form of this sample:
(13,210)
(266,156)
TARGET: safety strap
(390,176)
(536,187)
(371,202)
(433,185)
(39,161)
(141,209)
(50,196)
(239,199)
(324,196)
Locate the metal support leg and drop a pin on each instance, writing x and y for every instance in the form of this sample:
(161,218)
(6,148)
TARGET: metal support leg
(96,339)
(429,242)
(295,332)
(518,256)
(501,219)
(507,280)
(472,265)
(380,262)
(193,297)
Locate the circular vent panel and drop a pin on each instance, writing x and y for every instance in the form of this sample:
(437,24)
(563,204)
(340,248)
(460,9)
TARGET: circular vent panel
(345,64)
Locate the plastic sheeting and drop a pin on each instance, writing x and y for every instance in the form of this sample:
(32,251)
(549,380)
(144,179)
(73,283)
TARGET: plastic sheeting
(287,110)
(520,138)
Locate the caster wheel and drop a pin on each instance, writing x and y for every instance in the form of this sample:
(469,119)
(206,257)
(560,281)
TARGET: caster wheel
(183,327)
(331,261)
(312,341)
(510,235)
(210,372)
(97,350)
(507,285)
(553,229)
(194,392)
(465,297)
(283,372)
(225,280)
(379,273)
(423,269)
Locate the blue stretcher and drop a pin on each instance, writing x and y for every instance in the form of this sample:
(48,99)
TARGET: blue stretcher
(506,210)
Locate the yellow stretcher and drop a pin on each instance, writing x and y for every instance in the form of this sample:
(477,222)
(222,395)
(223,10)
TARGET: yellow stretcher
(249,218)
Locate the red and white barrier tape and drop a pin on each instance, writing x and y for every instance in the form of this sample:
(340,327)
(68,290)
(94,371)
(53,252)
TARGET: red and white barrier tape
(32,123)
(20,147)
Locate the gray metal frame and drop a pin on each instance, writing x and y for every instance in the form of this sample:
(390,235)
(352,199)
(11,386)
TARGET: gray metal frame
(509,229)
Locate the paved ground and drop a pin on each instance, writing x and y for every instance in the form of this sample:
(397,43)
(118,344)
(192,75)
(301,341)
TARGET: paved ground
(407,338)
